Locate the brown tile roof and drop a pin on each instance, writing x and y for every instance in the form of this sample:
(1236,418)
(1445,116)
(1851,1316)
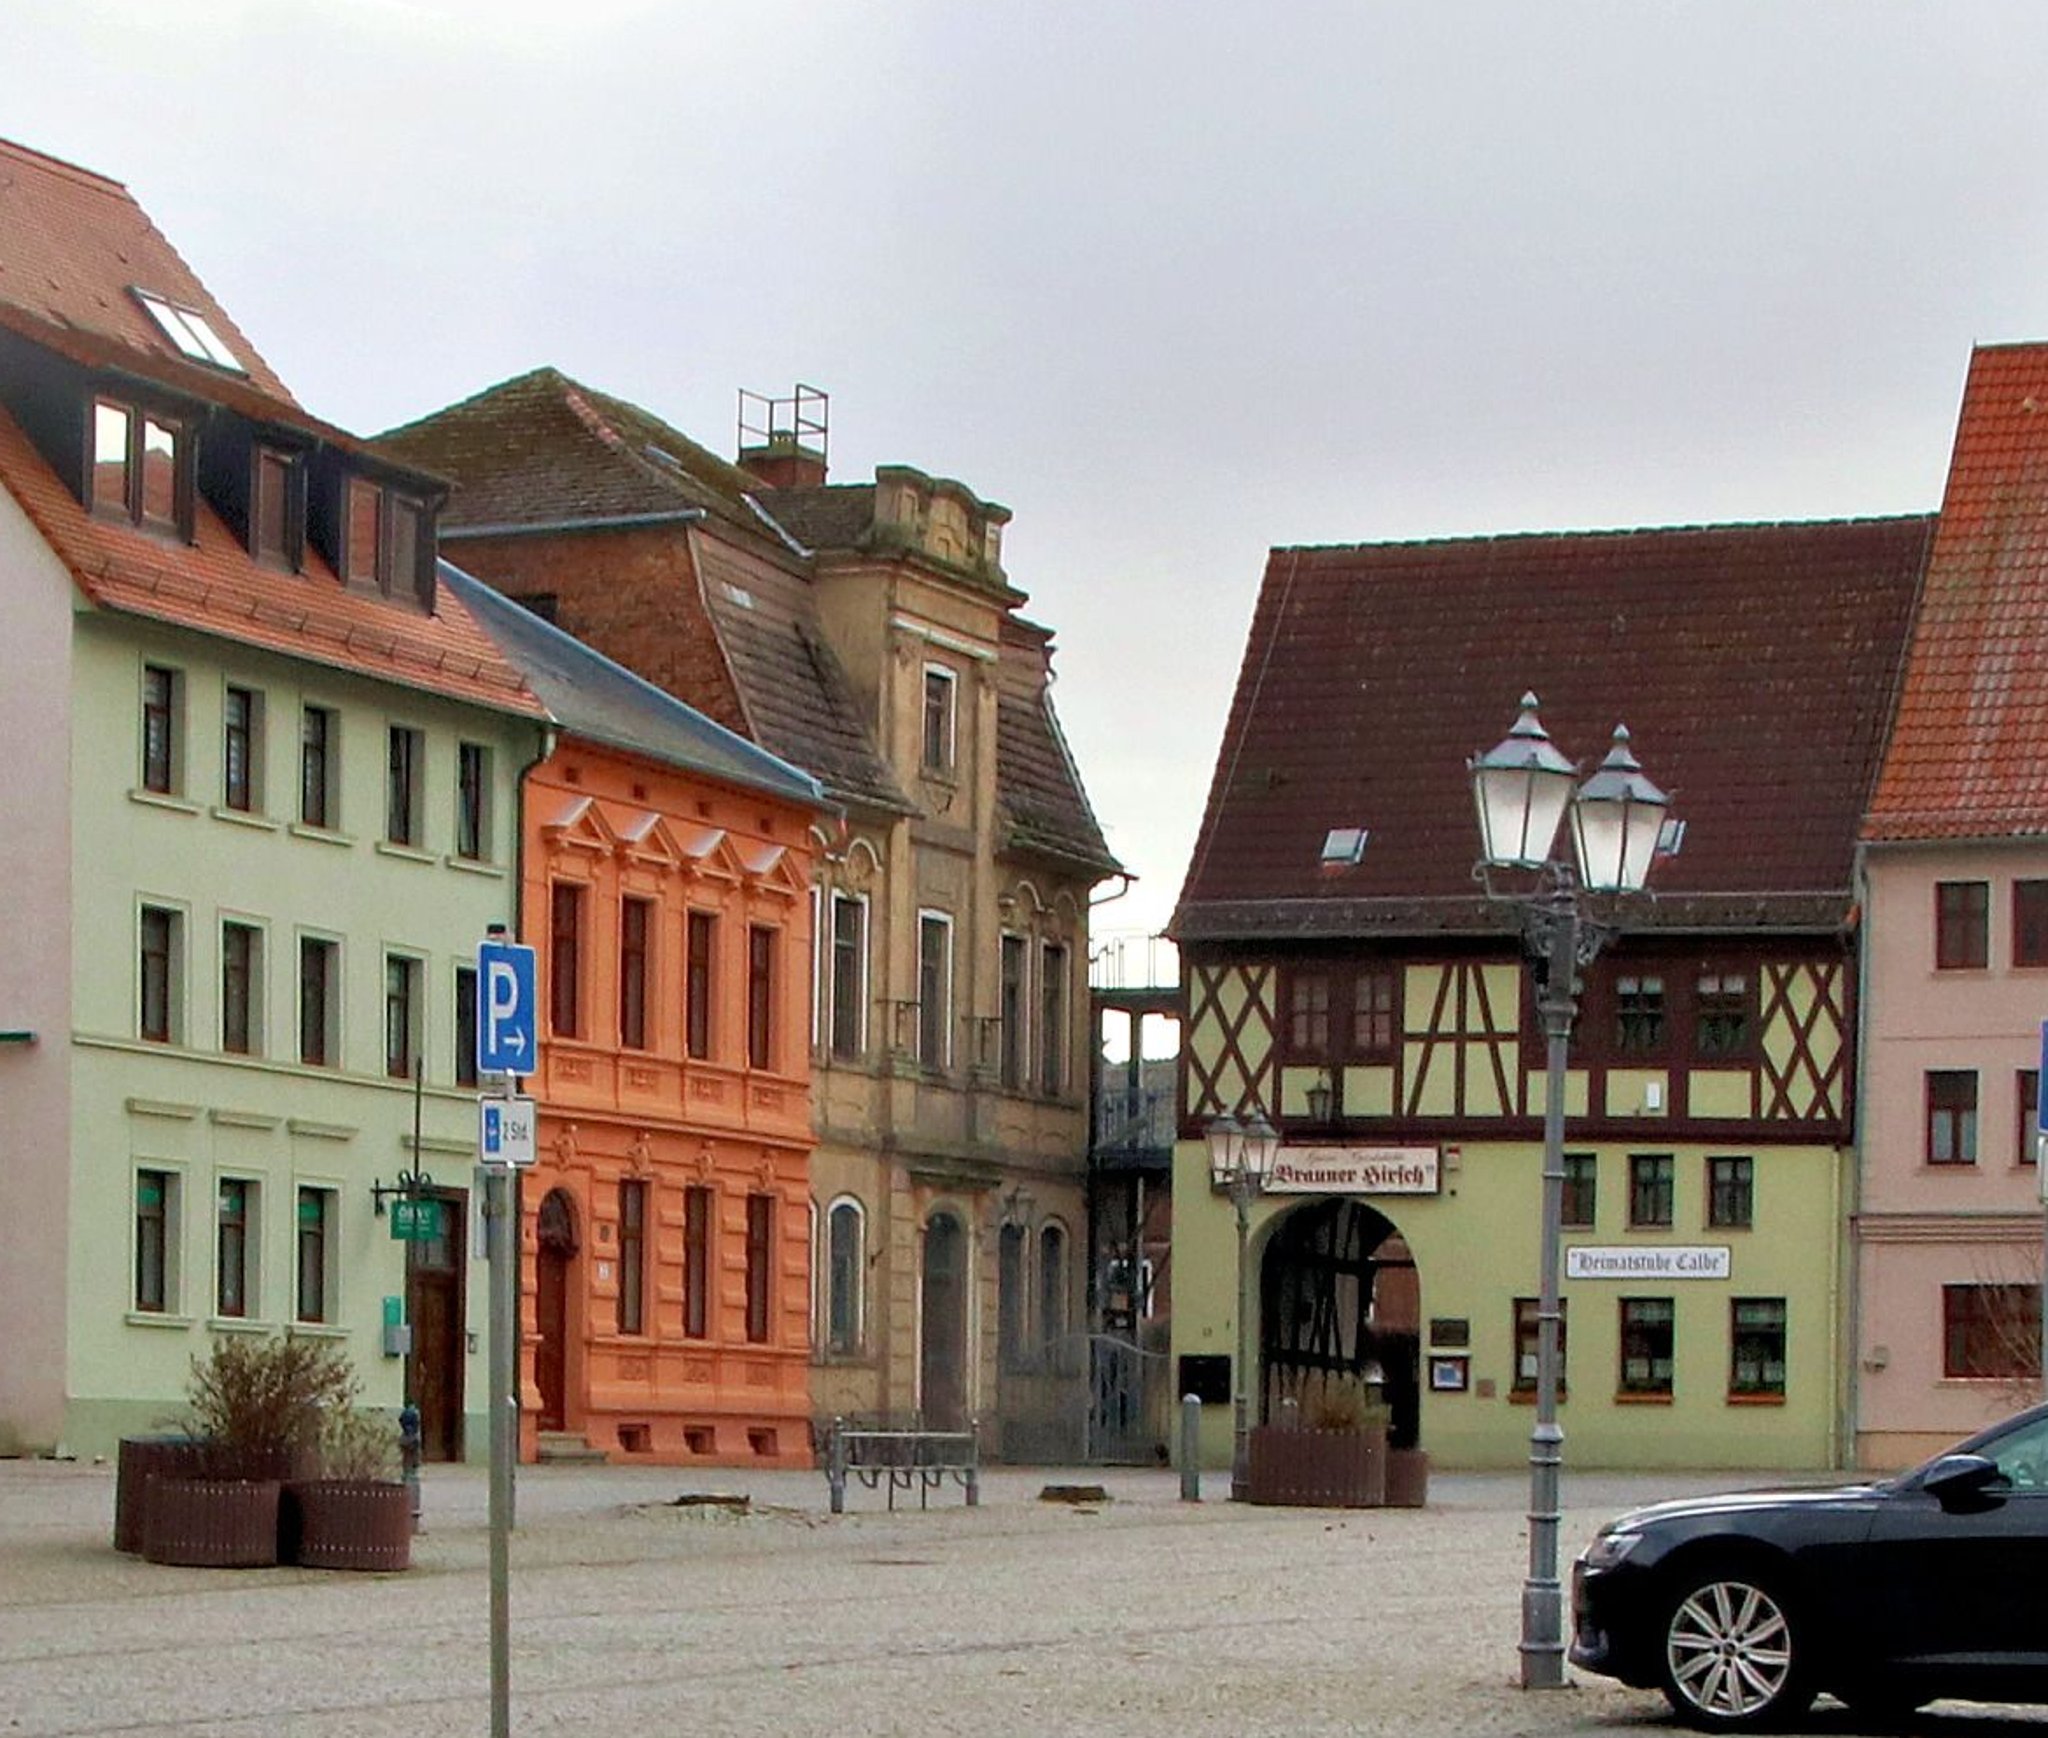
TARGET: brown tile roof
(78,246)
(216,587)
(1042,806)
(831,516)
(1755,665)
(1968,756)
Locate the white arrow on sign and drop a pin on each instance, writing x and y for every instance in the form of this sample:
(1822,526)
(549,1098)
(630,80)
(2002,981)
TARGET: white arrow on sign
(501,1010)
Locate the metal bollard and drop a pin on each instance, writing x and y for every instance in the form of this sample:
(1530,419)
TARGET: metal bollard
(835,1466)
(973,1480)
(1190,1450)
(409,1459)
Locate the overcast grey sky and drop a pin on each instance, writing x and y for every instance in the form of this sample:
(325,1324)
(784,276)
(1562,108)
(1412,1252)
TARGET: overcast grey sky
(1175,282)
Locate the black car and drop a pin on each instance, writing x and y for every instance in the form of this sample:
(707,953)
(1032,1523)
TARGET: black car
(1742,1608)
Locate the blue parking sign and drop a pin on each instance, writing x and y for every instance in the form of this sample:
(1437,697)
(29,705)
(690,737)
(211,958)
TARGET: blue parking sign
(506,1015)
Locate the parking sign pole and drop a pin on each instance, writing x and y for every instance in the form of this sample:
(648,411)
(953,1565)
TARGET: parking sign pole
(503,1247)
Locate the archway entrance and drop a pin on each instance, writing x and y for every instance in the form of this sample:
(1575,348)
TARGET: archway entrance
(1340,1316)
(942,1360)
(552,1273)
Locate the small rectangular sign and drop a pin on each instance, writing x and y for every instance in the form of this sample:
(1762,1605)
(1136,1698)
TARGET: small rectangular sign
(505,1132)
(1625,1261)
(1356,1171)
(415,1221)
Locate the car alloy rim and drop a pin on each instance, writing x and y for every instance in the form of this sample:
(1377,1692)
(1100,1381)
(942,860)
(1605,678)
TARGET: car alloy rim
(1729,1649)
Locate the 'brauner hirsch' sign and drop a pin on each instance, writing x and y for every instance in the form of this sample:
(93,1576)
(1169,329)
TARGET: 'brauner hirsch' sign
(1623,1262)
(1355,1171)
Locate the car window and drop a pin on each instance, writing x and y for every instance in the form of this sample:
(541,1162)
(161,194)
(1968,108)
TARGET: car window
(2023,1456)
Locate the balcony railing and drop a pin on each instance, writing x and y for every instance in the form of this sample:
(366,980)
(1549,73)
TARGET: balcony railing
(1129,1121)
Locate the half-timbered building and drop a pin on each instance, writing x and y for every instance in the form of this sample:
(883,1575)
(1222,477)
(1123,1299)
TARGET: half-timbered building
(1346,975)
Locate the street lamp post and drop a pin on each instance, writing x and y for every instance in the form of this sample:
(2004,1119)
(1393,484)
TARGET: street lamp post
(1240,1160)
(1523,788)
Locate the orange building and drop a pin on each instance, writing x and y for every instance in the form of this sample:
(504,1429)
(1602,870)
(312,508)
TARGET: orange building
(664,880)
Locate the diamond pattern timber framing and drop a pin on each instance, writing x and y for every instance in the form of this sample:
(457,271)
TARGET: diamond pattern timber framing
(1804,1058)
(1231,1060)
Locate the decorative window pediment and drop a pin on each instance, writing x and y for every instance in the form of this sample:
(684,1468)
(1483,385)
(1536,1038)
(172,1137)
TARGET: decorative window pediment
(580,824)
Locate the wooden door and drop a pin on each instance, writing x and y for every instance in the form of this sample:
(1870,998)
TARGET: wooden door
(942,1362)
(552,1274)
(434,1306)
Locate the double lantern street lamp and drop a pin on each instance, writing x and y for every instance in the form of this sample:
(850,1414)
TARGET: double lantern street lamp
(1241,1158)
(1523,788)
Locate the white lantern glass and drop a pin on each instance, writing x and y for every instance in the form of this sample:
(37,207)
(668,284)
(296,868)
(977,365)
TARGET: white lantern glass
(1617,820)
(1225,1136)
(1261,1147)
(1521,787)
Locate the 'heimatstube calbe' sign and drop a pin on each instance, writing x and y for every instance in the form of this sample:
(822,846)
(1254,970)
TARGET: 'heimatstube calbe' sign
(1355,1171)
(1622,1262)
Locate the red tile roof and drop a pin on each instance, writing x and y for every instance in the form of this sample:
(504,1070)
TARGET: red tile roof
(78,246)
(1969,749)
(1755,665)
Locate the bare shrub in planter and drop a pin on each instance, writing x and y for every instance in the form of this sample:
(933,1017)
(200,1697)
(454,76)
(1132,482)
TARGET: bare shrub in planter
(356,1515)
(1336,1459)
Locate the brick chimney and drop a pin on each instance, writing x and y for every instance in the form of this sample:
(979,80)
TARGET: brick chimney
(784,441)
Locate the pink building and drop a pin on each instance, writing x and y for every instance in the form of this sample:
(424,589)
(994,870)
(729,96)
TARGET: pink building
(1948,1231)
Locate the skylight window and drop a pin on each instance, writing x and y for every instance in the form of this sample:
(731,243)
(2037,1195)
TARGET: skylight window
(190,331)
(1342,845)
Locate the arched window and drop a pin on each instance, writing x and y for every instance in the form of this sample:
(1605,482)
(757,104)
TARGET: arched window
(1010,1297)
(845,1265)
(1052,1287)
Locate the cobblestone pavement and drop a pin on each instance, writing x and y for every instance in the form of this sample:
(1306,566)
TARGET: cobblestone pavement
(1141,1616)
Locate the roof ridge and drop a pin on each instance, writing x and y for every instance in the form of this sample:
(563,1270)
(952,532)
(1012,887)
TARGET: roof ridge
(1609,531)
(15,148)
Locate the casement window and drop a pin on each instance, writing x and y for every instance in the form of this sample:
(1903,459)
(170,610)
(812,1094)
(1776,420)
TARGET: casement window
(387,542)
(934,989)
(1991,1332)
(141,468)
(241,981)
(2030,923)
(277,509)
(189,331)
(315,1250)
(1756,1347)
(405,776)
(1638,1014)
(160,975)
(701,940)
(1581,1190)
(761,952)
(1527,1347)
(319,1002)
(163,707)
(1650,1180)
(156,1241)
(849,975)
(472,802)
(241,749)
(465,1025)
(1052,1018)
(565,959)
(760,1259)
(697,1205)
(1962,925)
(941,688)
(1951,1116)
(237,1239)
(845,1268)
(1052,1288)
(1648,1333)
(632,1255)
(1731,1193)
(2028,1114)
(319,787)
(401,1015)
(1012,1301)
(1339,1013)
(1721,1014)
(636,928)
(1011,990)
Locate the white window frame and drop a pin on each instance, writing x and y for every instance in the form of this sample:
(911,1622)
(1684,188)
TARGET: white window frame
(1026,1011)
(830,996)
(176,1182)
(951,677)
(857,1344)
(178,976)
(330,1271)
(259,771)
(927,916)
(252,1247)
(1054,1048)
(259,983)
(336,1001)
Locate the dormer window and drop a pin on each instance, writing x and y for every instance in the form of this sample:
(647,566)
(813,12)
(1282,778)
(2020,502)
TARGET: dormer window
(141,468)
(277,525)
(190,331)
(387,542)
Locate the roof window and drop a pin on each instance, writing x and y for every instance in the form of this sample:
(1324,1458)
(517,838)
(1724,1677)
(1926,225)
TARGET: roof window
(1344,845)
(190,331)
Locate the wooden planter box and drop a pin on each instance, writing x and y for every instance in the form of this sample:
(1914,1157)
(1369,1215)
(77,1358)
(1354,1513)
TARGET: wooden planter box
(1407,1478)
(141,1459)
(347,1524)
(1318,1469)
(210,1523)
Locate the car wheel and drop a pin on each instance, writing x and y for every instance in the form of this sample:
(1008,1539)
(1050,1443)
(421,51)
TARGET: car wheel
(1733,1659)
